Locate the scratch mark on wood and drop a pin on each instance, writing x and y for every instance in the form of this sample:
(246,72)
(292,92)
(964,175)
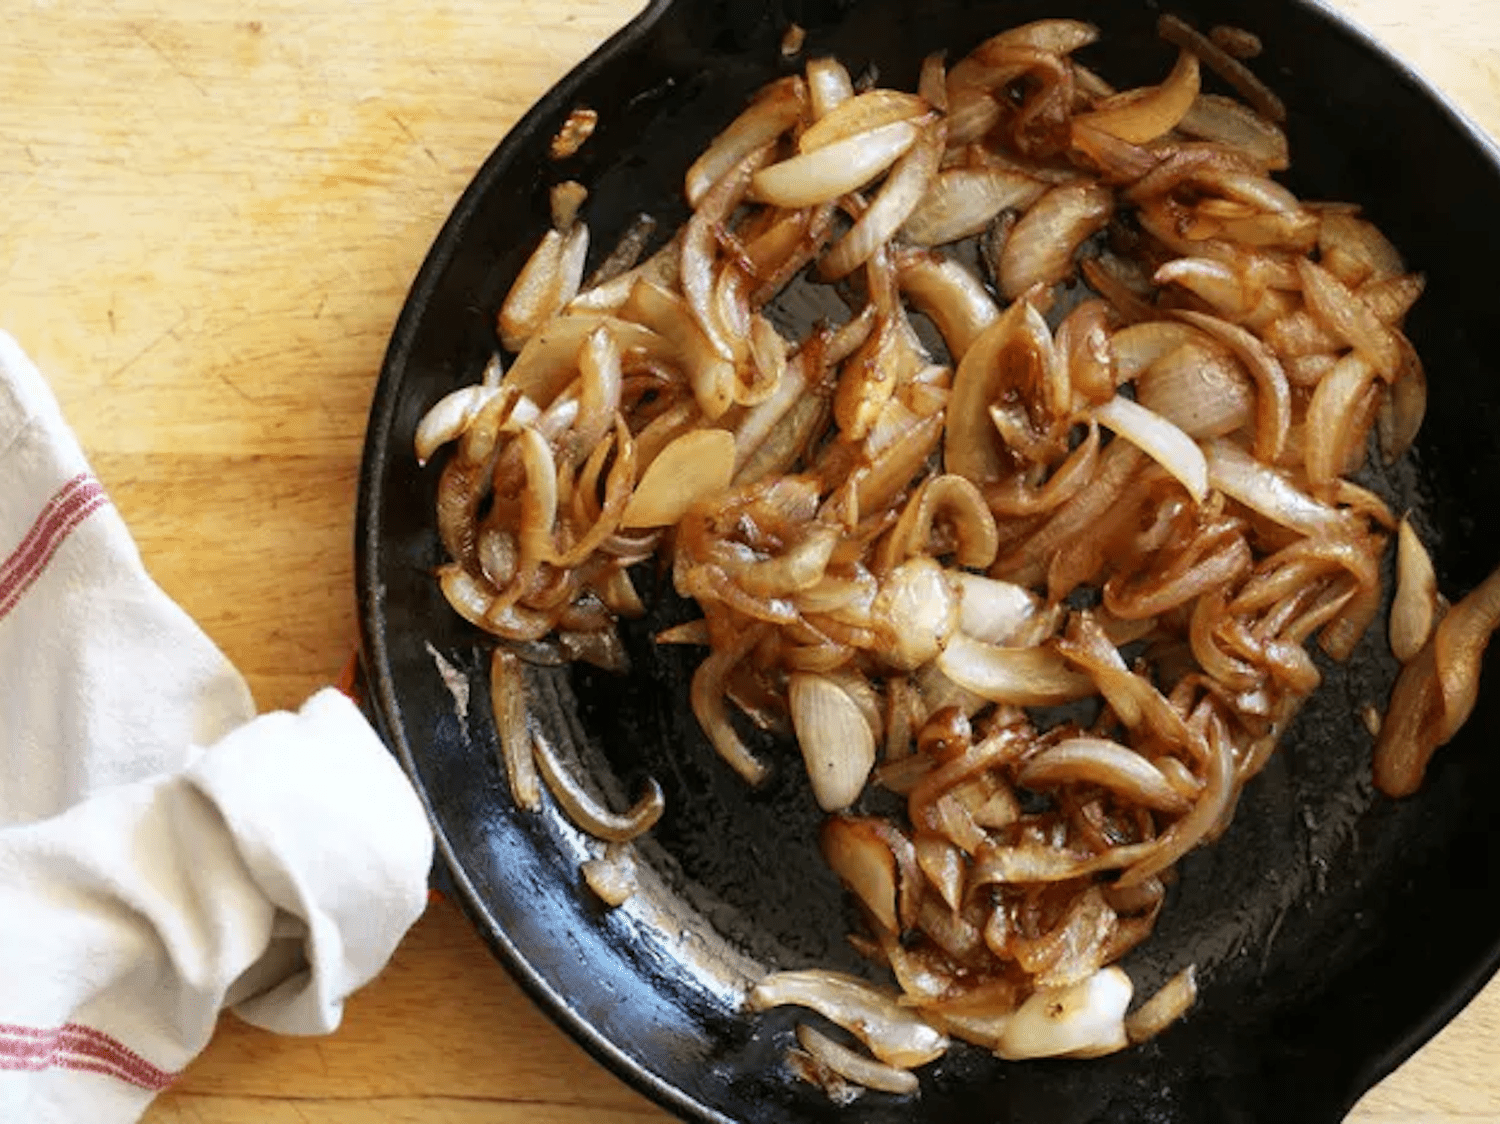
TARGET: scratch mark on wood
(400,124)
(175,66)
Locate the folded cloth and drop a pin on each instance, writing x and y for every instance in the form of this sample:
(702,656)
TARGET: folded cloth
(164,854)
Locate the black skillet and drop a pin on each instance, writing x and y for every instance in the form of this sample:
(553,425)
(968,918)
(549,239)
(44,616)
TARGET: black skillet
(1334,930)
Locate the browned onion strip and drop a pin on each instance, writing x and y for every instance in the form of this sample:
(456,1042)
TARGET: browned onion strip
(856,1067)
(894,1034)
(951,295)
(1171,1001)
(1225,65)
(1140,119)
(1188,832)
(1107,763)
(1415,605)
(584,810)
(513,724)
(1040,249)
(777,109)
(1348,317)
(707,696)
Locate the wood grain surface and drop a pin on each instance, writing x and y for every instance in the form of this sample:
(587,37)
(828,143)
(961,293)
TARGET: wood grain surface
(209,216)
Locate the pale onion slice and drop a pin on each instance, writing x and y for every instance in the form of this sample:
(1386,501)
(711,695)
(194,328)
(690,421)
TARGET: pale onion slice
(533,297)
(1086,1020)
(856,1067)
(449,417)
(584,810)
(670,317)
(897,198)
(513,725)
(1361,241)
(1156,111)
(990,610)
(1022,676)
(1200,389)
(1041,247)
(1229,291)
(1159,439)
(837,744)
(1137,347)
(1267,490)
(549,361)
(828,86)
(777,109)
(962,202)
(859,115)
(1415,605)
(1229,122)
(894,1034)
(811,178)
(855,851)
(691,468)
(1171,1001)
(707,697)
(1056,36)
(600,378)
(917,610)
(1107,763)
(1273,400)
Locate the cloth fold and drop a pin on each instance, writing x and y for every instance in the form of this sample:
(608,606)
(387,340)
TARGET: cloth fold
(164,853)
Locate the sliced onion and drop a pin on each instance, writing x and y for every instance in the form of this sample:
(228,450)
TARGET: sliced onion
(962,202)
(777,109)
(548,362)
(449,417)
(1023,676)
(586,812)
(855,851)
(1273,406)
(950,294)
(513,725)
(1404,407)
(918,611)
(1157,111)
(1226,121)
(1040,249)
(837,744)
(1171,1001)
(1159,439)
(600,378)
(1227,290)
(828,86)
(707,696)
(898,197)
(1137,348)
(1200,389)
(535,295)
(895,1034)
(1085,1020)
(612,877)
(1331,416)
(811,178)
(1348,317)
(1107,763)
(859,115)
(856,1067)
(992,611)
(691,468)
(1225,65)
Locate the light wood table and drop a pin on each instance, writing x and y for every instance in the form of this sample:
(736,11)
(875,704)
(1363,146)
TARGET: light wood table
(209,216)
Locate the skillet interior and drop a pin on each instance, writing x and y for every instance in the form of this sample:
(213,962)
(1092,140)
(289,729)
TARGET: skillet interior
(1334,930)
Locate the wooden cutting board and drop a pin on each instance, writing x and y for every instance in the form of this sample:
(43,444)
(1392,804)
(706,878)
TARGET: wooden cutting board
(209,216)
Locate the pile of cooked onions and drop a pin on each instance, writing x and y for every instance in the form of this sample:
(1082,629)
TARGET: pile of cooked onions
(1116,469)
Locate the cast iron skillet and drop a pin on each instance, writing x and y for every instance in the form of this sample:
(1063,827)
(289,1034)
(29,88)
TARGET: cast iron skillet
(1334,930)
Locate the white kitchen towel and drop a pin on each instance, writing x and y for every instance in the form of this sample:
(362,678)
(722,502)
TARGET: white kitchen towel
(164,853)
